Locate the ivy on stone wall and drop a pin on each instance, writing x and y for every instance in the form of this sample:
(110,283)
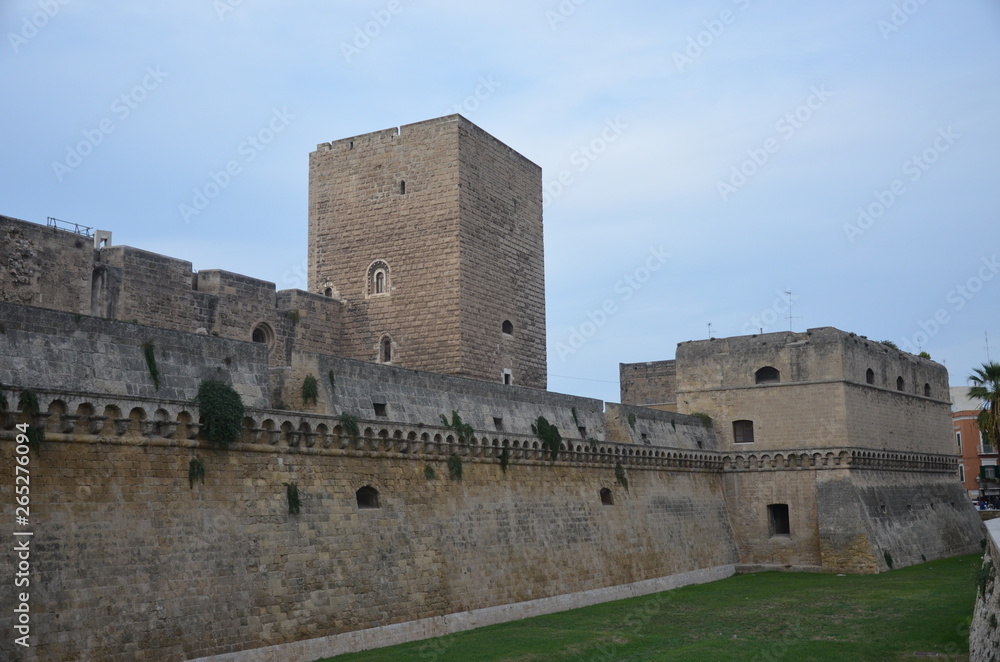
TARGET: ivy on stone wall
(221,412)
(631,420)
(548,434)
(310,390)
(455,467)
(706,420)
(620,475)
(429,472)
(27,402)
(333,381)
(463,430)
(196,471)
(36,435)
(148,350)
(350,425)
(504,458)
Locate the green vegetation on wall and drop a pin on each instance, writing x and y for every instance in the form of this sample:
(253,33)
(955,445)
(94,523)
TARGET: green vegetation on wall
(196,471)
(310,390)
(504,458)
(620,475)
(148,349)
(455,467)
(429,472)
(463,430)
(221,412)
(292,493)
(549,435)
(350,424)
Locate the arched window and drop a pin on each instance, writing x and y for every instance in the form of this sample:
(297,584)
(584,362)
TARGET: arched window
(328,292)
(263,334)
(743,432)
(402,187)
(767,375)
(508,327)
(870,376)
(378,279)
(385,350)
(899,383)
(607,499)
(927,390)
(367,497)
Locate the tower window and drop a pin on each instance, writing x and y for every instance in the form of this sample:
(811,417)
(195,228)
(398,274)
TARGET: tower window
(743,432)
(385,350)
(378,278)
(508,327)
(328,292)
(367,498)
(607,499)
(767,375)
(899,383)
(263,334)
(777,519)
(870,376)
(927,390)
(508,377)
(402,187)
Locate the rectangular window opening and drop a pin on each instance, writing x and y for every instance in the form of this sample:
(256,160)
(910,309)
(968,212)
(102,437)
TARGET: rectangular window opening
(380,409)
(498,423)
(777,518)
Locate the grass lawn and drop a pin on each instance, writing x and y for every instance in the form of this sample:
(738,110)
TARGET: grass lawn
(765,616)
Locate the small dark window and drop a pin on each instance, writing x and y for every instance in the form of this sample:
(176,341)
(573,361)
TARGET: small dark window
(607,499)
(958,438)
(870,376)
(743,432)
(259,335)
(262,333)
(927,390)
(767,375)
(380,409)
(508,378)
(367,497)
(508,327)
(402,187)
(498,423)
(583,431)
(386,350)
(777,519)
(328,292)
(899,383)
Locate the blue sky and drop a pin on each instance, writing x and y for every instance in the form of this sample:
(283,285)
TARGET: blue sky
(700,159)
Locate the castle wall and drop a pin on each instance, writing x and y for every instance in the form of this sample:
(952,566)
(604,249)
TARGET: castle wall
(53,350)
(45,267)
(650,384)
(503,264)
(128,559)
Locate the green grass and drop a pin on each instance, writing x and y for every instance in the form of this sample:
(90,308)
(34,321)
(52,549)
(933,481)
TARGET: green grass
(760,617)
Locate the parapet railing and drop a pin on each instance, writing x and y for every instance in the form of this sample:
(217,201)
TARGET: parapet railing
(69,226)
(76,416)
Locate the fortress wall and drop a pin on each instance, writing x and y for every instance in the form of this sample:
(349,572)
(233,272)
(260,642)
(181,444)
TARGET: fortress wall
(911,515)
(52,350)
(320,325)
(631,424)
(650,384)
(128,560)
(900,421)
(43,266)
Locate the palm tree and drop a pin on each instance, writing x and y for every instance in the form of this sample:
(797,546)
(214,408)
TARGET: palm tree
(986,387)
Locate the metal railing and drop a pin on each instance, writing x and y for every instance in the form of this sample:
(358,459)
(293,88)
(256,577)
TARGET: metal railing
(69,227)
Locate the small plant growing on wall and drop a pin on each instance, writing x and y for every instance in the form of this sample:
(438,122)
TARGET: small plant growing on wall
(504,458)
(28,403)
(148,349)
(36,435)
(620,475)
(196,471)
(631,420)
(429,472)
(333,381)
(888,559)
(463,430)
(221,412)
(549,435)
(310,390)
(706,420)
(455,467)
(350,425)
(292,493)
(575,419)
(294,316)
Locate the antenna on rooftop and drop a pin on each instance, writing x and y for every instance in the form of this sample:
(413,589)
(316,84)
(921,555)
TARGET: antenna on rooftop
(987,334)
(790,316)
(710,333)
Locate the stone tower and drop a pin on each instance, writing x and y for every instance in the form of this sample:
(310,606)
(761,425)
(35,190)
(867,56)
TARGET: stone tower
(432,236)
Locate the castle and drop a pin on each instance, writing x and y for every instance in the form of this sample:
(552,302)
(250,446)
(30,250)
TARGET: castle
(403,397)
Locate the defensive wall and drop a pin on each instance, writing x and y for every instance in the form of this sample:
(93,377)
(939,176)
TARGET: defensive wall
(127,557)
(984,633)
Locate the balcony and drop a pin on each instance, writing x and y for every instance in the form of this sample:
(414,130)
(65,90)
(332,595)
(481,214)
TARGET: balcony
(987,449)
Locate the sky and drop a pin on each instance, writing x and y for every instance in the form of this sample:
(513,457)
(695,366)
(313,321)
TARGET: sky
(705,164)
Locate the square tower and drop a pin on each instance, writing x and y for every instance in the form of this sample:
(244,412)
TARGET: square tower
(432,234)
